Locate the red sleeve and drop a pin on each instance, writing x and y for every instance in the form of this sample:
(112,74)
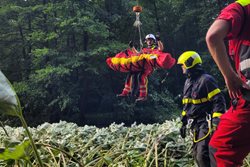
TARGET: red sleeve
(234,14)
(165,60)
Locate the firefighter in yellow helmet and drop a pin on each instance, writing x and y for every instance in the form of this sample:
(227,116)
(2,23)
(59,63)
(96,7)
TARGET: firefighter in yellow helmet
(203,104)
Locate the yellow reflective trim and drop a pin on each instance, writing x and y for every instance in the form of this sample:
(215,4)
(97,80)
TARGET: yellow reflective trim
(133,59)
(213,93)
(115,60)
(198,101)
(204,100)
(125,61)
(183,113)
(149,56)
(243,2)
(216,115)
(185,101)
(141,57)
(194,101)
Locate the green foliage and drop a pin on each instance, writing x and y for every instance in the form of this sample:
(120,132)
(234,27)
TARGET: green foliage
(138,145)
(8,98)
(66,144)
(15,153)
(10,105)
(55,52)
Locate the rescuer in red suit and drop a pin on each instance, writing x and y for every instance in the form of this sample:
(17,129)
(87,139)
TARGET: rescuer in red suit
(230,143)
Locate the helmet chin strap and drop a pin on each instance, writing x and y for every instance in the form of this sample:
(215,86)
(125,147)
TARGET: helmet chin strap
(152,46)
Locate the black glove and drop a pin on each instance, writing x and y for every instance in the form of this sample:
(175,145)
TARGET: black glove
(157,36)
(215,123)
(131,44)
(183,128)
(183,131)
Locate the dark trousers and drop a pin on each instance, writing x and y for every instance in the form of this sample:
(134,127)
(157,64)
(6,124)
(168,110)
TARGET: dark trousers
(201,149)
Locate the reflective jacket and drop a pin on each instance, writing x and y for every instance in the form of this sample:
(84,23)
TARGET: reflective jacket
(201,96)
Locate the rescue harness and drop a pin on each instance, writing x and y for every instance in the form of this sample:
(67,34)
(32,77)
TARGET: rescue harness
(208,119)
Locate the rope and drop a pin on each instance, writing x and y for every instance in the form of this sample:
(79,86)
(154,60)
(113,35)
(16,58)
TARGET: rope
(138,24)
(208,118)
(137,2)
(200,139)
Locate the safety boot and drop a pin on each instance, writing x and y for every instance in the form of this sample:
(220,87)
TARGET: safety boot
(141,99)
(122,95)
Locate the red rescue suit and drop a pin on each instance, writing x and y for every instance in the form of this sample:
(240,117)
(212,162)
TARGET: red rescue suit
(139,66)
(230,143)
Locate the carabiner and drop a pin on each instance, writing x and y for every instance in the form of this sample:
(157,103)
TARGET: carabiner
(208,117)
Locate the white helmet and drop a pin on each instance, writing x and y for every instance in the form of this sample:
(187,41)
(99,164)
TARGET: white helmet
(150,36)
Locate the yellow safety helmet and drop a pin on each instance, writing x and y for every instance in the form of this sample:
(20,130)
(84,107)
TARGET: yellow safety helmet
(189,59)
(243,2)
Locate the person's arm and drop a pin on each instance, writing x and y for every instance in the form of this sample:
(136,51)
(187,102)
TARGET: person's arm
(215,42)
(160,45)
(131,45)
(134,50)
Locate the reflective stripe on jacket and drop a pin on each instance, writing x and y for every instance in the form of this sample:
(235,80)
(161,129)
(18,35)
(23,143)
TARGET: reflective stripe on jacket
(201,96)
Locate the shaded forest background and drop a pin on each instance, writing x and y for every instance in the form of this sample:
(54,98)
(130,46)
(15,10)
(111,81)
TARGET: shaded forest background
(54,52)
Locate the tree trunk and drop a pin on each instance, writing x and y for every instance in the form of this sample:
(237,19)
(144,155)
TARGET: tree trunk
(85,41)
(55,30)
(74,47)
(156,17)
(108,5)
(30,30)
(45,26)
(23,47)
